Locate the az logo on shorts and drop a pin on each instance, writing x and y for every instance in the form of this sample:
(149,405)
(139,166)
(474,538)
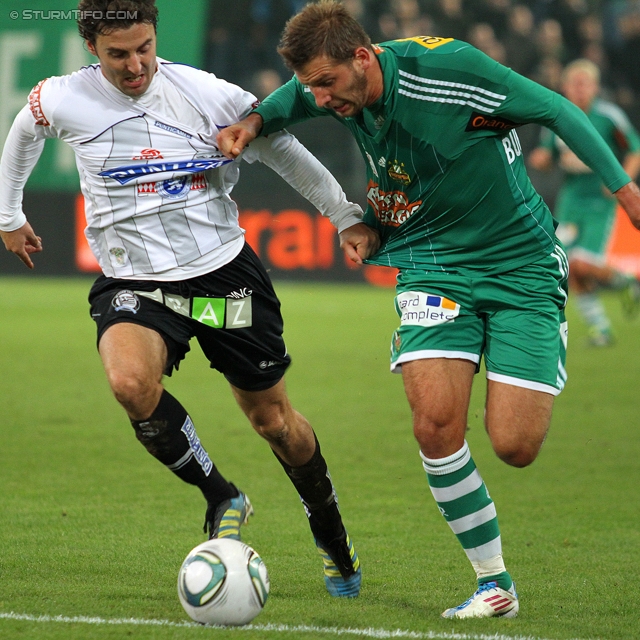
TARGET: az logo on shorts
(425,309)
(222,313)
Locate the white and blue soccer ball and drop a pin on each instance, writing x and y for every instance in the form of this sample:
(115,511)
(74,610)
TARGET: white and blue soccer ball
(223,582)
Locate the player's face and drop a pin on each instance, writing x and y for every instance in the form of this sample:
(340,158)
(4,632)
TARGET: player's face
(342,87)
(580,87)
(128,57)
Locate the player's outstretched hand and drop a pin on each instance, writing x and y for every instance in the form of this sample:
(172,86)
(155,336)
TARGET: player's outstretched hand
(234,138)
(629,199)
(359,242)
(22,242)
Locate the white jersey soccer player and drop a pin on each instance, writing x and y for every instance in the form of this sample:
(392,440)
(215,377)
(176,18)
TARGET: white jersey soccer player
(162,224)
(156,188)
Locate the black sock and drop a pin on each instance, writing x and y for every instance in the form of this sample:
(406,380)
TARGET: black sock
(169,435)
(313,483)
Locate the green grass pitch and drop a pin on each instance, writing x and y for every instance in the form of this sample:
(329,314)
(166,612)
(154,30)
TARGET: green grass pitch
(92,528)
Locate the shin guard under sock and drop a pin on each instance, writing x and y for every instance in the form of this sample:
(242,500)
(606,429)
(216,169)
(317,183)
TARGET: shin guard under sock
(170,437)
(313,483)
(466,505)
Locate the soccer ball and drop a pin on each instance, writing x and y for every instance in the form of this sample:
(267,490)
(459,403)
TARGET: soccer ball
(223,581)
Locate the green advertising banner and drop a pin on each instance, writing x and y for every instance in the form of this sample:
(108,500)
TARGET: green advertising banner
(40,39)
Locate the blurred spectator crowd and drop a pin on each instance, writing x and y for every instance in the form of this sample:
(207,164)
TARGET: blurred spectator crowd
(534,37)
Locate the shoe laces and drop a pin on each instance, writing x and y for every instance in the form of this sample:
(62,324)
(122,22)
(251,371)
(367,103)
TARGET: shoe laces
(485,586)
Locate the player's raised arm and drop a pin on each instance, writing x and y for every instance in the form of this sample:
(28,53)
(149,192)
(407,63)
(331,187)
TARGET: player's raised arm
(287,105)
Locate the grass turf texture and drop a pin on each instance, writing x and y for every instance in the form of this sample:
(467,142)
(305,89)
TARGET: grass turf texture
(93,526)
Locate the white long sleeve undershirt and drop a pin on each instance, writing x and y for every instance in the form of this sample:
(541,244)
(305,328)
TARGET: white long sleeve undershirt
(21,153)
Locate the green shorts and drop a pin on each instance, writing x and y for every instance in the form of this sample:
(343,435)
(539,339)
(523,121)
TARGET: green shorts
(515,320)
(585,226)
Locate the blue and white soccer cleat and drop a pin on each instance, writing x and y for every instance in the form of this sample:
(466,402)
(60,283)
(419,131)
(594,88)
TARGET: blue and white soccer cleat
(487,602)
(225,520)
(342,573)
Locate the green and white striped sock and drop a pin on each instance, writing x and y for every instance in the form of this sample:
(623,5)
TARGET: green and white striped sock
(592,311)
(466,505)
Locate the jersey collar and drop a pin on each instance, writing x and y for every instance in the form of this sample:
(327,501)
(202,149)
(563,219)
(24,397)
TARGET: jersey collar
(376,118)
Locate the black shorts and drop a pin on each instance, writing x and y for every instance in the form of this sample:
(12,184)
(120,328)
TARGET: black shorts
(232,311)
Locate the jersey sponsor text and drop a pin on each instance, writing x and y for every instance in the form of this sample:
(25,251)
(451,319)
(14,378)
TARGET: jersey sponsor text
(425,309)
(392,208)
(479,121)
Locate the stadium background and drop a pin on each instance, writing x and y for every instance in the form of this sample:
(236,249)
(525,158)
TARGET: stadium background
(535,37)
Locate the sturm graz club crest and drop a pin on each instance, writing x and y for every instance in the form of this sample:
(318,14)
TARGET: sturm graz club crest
(126,301)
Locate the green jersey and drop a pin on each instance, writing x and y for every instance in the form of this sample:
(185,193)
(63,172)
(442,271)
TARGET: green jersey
(581,183)
(448,189)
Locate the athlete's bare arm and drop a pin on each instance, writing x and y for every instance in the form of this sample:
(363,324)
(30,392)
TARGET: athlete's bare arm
(629,199)
(22,242)
(234,138)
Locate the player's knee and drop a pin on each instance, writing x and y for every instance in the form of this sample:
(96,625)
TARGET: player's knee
(270,422)
(135,393)
(516,454)
(429,430)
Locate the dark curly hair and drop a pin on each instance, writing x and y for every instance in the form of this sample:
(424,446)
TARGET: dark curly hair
(101,17)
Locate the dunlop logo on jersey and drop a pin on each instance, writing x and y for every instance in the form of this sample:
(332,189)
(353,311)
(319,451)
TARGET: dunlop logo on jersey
(424,309)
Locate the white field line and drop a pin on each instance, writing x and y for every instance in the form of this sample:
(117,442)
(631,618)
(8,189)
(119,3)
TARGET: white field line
(278,628)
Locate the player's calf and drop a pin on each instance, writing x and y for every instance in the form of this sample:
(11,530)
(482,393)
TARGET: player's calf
(169,435)
(342,573)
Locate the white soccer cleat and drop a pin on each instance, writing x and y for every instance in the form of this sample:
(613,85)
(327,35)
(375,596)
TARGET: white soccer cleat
(487,602)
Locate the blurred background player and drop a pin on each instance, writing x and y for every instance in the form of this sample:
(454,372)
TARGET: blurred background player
(585,208)
(176,266)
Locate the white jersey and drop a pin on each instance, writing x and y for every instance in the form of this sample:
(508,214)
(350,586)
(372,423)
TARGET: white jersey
(156,187)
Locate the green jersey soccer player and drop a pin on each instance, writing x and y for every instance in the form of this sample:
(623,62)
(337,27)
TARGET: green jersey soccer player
(481,273)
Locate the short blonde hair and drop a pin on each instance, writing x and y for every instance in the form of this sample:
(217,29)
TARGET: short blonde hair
(584,65)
